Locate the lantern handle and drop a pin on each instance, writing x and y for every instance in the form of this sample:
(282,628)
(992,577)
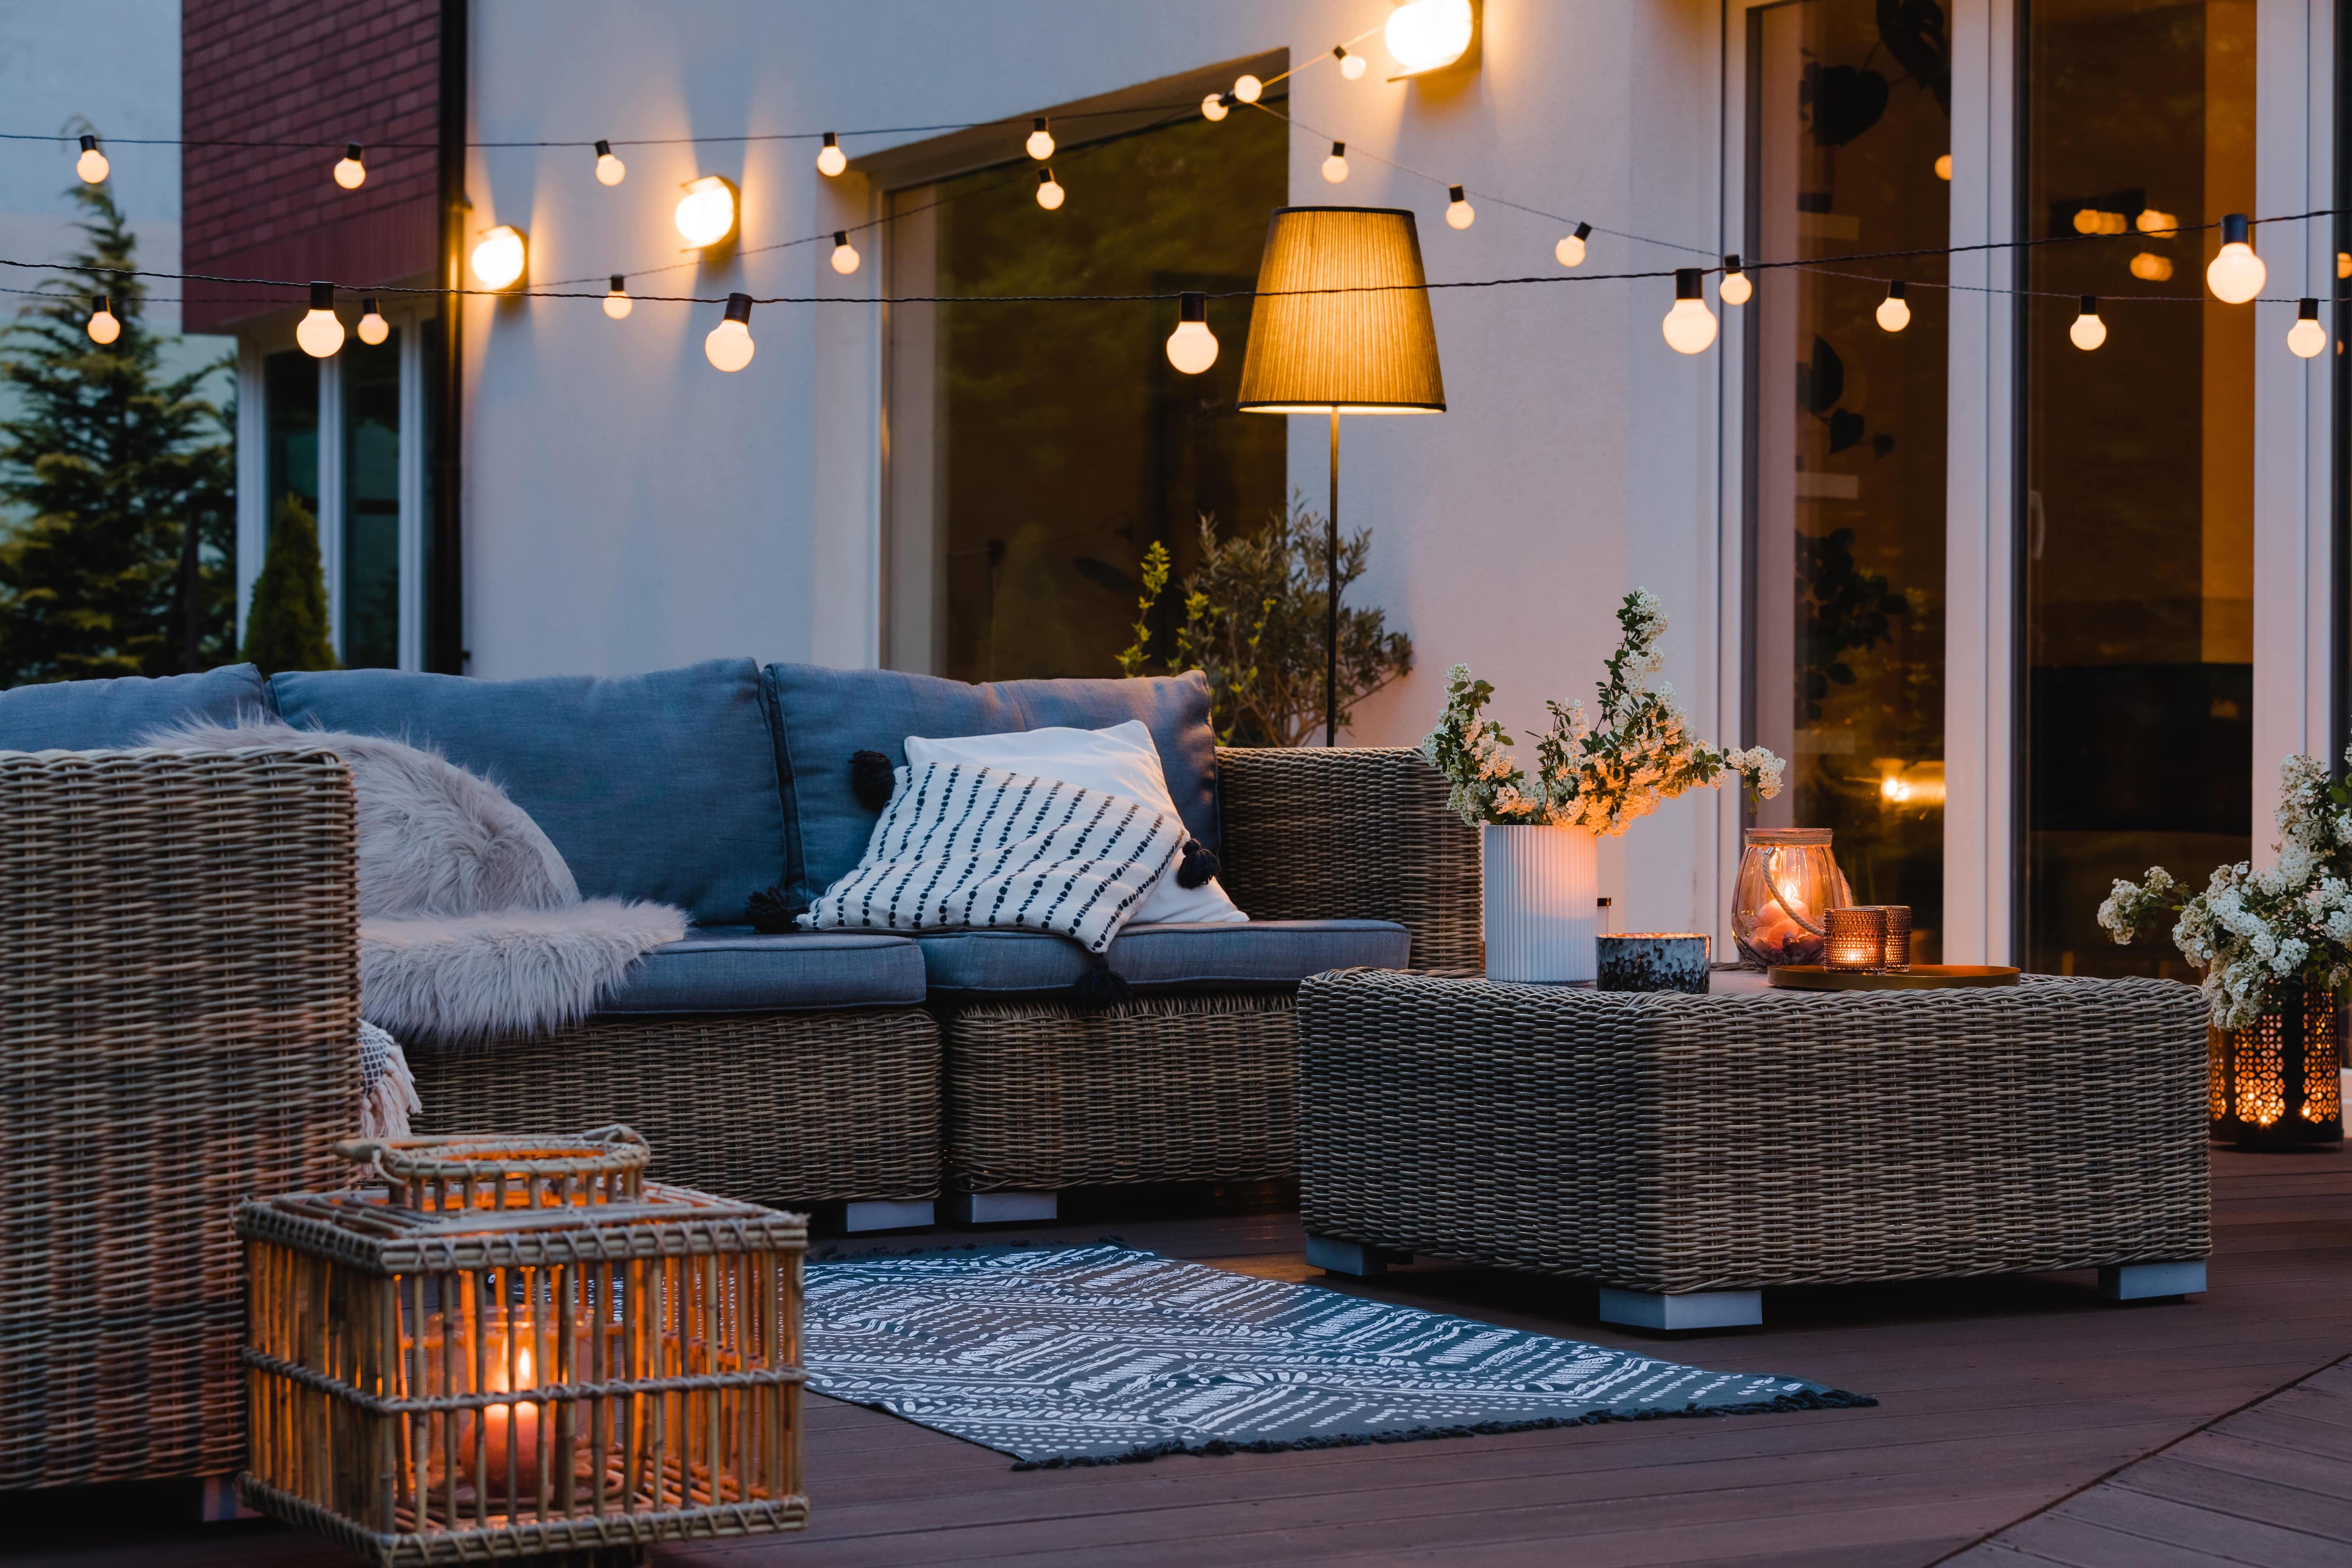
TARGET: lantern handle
(1787,905)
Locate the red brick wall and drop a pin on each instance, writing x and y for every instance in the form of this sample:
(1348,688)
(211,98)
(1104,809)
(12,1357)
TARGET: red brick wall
(326,71)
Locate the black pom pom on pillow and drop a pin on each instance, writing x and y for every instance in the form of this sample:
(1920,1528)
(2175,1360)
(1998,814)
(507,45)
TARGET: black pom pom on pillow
(871,779)
(1198,865)
(769,911)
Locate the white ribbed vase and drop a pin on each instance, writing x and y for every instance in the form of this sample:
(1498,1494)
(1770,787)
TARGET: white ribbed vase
(1542,896)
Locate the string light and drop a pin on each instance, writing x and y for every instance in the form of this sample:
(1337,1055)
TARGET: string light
(730,345)
(1216,106)
(2092,221)
(1050,194)
(1247,87)
(2151,222)
(2306,338)
(498,257)
(1570,250)
(1335,167)
(2237,274)
(1459,213)
(2088,332)
(610,169)
(1735,288)
(1427,35)
(374,328)
(845,254)
(617,304)
(320,332)
(1041,140)
(1895,311)
(350,171)
(1689,326)
(103,326)
(91,165)
(1191,347)
(706,213)
(830,159)
(1350,66)
(1943,166)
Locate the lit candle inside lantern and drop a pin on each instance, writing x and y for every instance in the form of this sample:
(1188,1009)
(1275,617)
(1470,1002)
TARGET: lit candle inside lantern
(512,1430)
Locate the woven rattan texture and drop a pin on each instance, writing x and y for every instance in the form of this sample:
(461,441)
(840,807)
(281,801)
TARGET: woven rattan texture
(1352,834)
(776,1108)
(1163,1088)
(179,1008)
(1676,1143)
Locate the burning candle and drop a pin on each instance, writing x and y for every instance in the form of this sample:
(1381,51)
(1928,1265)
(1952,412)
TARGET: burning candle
(1857,940)
(511,1431)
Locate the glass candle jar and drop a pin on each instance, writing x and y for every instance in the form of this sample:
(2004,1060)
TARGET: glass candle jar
(1857,940)
(1788,883)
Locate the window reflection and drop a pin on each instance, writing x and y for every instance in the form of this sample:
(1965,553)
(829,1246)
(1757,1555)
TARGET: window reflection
(371,600)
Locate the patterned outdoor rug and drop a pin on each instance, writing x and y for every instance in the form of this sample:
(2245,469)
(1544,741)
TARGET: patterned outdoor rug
(1102,1355)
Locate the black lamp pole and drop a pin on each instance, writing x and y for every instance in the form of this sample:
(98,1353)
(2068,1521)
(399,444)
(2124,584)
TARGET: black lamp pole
(1331,599)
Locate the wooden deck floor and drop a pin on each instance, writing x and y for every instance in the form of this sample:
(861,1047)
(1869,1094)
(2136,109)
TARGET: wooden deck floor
(2023,1403)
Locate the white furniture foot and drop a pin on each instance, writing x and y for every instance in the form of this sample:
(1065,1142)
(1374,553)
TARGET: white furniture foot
(1690,1310)
(1001,1207)
(886,1213)
(1334,1256)
(218,1502)
(2138,1281)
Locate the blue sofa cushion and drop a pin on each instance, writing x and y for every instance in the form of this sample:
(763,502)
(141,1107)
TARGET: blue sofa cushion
(107,715)
(660,786)
(734,969)
(1262,953)
(825,716)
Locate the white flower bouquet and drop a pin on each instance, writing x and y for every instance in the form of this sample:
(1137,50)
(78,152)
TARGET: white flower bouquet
(1599,775)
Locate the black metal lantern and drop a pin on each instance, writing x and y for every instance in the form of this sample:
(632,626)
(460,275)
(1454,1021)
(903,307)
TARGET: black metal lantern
(2275,1083)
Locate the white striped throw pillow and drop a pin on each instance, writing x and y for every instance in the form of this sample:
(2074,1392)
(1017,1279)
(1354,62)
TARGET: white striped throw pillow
(961,846)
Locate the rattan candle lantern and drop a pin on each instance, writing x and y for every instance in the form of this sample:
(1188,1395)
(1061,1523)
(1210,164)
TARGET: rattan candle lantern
(2275,1083)
(521,1348)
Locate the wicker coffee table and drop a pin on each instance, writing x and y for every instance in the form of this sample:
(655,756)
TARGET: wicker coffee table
(1686,1153)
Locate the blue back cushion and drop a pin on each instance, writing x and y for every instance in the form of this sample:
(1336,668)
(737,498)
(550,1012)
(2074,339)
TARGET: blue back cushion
(107,715)
(660,786)
(825,715)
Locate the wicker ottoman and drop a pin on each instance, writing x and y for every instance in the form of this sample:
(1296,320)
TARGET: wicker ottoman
(1687,1152)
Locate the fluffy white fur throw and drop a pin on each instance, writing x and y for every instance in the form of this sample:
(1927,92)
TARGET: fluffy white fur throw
(462,980)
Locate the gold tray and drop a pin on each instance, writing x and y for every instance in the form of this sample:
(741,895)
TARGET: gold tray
(1917,977)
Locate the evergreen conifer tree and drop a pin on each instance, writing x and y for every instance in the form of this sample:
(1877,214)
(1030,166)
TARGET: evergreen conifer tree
(286,628)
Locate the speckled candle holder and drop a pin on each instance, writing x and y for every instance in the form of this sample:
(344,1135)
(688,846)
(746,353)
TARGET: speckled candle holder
(1653,961)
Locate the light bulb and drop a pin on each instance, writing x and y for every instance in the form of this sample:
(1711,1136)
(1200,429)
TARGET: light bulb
(1459,213)
(103,326)
(706,213)
(1350,66)
(2237,274)
(2306,338)
(1570,250)
(1735,288)
(1944,166)
(1335,167)
(1424,35)
(1041,140)
(1191,347)
(1216,106)
(2151,222)
(617,304)
(730,345)
(830,159)
(2151,268)
(1895,311)
(374,328)
(92,164)
(2088,332)
(2344,264)
(349,170)
(1689,326)
(845,254)
(1049,192)
(609,170)
(1247,87)
(318,333)
(499,255)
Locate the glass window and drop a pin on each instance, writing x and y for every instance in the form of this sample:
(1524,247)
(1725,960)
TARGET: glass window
(1850,123)
(2136,732)
(371,587)
(290,401)
(1036,452)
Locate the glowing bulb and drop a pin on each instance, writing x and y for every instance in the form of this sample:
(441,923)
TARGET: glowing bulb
(2344,264)
(1335,167)
(1424,35)
(2306,338)
(2088,332)
(609,170)
(2087,220)
(617,304)
(2237,274)
(1350,66)
(1191,347)
(92,164)
(498,257)
(349,170)
(706,213)
(830,159)
(1216,106)
(1735,288)
(374,328)
(1041,140)
(1459,213)
(1049,191)
(1570,252)
(1247,87)
(103,328)
(2151,222)
(2151,268)
(730,345)
(1689,326)
(320,333)
(845,254)
(1895,311)
(1944,166)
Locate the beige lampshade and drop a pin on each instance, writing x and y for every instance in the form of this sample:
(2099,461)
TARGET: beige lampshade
(1370,348)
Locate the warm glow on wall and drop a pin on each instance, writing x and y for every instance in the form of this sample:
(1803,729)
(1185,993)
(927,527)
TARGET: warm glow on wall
(706,213)
(498,257)
(1427,35)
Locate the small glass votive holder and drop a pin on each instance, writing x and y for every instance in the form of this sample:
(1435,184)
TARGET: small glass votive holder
(1896,955)
(1653,961)
(1857,940)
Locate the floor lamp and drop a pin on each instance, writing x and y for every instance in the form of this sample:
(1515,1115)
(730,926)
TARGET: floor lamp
(1340,326)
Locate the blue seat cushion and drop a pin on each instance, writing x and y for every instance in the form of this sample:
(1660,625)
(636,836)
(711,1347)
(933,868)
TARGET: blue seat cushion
(660,786)
(109,715)
(735,969)
(1262,953)
(825,716)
